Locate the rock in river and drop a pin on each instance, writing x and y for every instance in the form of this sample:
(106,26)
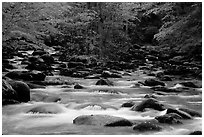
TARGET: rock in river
(77,86)
(193,113)
(148,103)
(101,120)
(153,82)
(104,82)
(22,90)
(183,114)
(147,126)
(170,118)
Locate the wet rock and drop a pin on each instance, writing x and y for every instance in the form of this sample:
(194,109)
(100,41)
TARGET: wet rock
(183,114)
(128,104)
(153,82)
(147,126)
(149,96)
(101,120)
(108,74)
(148,103)
(78,86)
(189,84)
(104,82)
(46,109)
(8,93)
(22,90)
(196,133)
(193,113)
(48,59)
(27,76)
(95,106)
(170,118)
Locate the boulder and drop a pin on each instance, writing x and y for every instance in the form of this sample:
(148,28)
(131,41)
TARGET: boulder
(148,103)
(27,76)
(101,120)
(104,82)
(8,93)
(147,126)
(77,86)
(189,84)
(128,104)
(153,82)
(183,114)
(47,109)
(193,113)
(22,90)
(48,59)
(170,118)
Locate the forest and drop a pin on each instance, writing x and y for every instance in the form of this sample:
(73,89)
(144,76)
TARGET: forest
(104,67)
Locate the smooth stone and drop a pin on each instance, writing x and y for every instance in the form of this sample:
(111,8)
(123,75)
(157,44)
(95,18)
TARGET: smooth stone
(101,120)
(104,82)
(78,86)
(193,113)
(153,82)
(128,104)
(147,126)
(148,103)
(183,114)
(170,118)
(22,90)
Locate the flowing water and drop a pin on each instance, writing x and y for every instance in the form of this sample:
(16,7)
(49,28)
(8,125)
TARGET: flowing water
(94,100)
